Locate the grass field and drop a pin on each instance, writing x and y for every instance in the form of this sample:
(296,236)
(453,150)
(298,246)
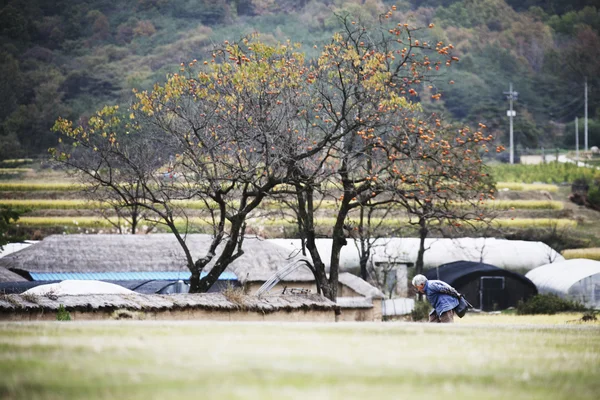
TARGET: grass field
(473,359)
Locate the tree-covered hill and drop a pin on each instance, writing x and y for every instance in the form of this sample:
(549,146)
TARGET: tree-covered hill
(69,57)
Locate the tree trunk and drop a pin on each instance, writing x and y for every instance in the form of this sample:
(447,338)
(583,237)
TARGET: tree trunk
(306,215)
(423,231)
(364,259)
(339,241)
(134,220)
(365,246)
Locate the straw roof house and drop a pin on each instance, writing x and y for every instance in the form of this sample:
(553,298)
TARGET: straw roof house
(135,253)
(160,253)
(209,306)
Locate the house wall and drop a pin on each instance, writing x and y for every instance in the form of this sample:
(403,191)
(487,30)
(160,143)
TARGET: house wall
(401,281)
(252,287)
(377,310)
(191,314)
(356,314)
(373,314)
(343,290)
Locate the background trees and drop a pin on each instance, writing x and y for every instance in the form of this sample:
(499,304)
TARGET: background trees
(88,53)
(7,216)
(231,130)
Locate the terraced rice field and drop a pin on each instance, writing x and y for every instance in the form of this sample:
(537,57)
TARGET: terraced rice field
(51,202)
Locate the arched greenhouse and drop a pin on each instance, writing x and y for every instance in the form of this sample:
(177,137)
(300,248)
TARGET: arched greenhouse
(577,279)
(485,286)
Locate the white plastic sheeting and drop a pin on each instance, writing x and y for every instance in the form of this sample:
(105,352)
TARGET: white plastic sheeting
(507,254)
(577,279)
(73,287)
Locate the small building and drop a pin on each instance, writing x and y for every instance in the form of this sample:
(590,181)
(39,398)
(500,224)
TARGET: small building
(358,300)
(576,279)
(485,286)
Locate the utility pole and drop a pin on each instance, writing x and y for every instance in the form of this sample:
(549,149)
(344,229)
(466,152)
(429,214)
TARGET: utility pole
(511,96)
(585,122)
(576,141)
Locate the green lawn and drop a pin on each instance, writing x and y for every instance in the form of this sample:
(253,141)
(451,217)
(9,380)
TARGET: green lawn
(516,358)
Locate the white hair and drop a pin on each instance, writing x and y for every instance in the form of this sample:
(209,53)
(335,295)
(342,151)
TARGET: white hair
(418,280)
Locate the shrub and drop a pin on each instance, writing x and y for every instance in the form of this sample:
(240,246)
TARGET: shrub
(593,195)
(235,295)
(548,304)
(62,314)
(556,237)
(421,311)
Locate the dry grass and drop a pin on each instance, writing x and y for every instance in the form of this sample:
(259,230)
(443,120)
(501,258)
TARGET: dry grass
(196,223)
(39,186)
(152,360)
(492,319)
(524,205)
(591,253)
(63,221)
(527,186)
(235,295)
(560,223)
(34,204)
(14,171)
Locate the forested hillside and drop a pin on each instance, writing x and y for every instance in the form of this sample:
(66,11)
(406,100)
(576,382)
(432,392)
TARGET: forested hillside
(69,57)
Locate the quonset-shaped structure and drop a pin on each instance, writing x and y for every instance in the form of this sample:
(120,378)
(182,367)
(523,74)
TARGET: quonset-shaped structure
(487,287)
(515,255)
(577,279)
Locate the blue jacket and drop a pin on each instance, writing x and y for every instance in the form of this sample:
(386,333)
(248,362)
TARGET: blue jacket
(441,296)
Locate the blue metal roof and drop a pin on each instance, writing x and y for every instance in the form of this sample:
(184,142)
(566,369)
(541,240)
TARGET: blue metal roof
(123,276)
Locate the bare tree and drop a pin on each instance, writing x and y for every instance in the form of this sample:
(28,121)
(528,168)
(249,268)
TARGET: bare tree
(229,127)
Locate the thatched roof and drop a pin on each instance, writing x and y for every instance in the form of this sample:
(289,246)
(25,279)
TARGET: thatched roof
(158,253)
(140,253)
(354,302)
(9,276)
(148,303)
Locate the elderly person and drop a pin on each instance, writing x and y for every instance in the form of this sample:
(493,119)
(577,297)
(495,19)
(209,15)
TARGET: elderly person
(443,298)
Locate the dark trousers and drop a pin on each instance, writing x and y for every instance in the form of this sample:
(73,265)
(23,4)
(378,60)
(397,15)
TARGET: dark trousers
(448,316)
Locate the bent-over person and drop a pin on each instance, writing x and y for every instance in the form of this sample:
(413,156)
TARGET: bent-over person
(443,298)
